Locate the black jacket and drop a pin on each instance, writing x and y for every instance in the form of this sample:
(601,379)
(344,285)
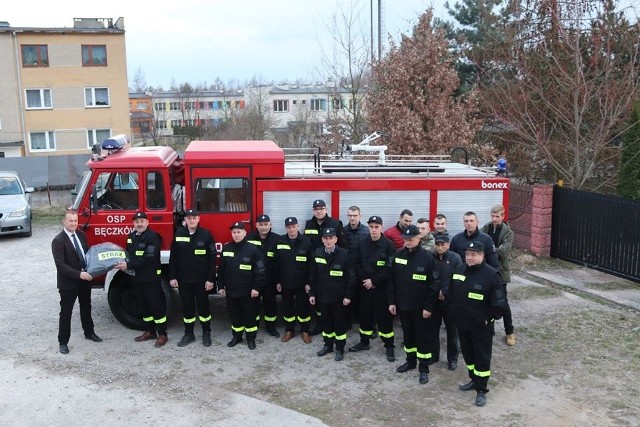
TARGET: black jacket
(144,256)
(68,266)
(241,269)
(193,256)
(331,280)
(460,240)
(411,275)
(353,236)
(313,231)
(293,262)
(267,247)
(445,267)
(477,296)
(370,260)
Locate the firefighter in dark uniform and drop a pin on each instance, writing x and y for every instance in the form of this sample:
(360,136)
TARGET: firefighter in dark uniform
(294,261)
(313,229)
(370,258)
(331,288)
(143,246)
(446,263)
(192,269)
(412,297)
(266,241)
(241,277)
(478,300)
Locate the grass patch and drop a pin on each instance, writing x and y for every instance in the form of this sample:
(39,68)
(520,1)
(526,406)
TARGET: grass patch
(612,286)
(48,215)
(529,292)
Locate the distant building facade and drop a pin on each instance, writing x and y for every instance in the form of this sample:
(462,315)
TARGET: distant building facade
(63,88)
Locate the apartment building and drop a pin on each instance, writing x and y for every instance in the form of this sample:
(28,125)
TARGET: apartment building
(63,88)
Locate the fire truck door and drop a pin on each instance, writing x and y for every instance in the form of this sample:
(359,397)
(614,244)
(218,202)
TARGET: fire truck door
(222,196)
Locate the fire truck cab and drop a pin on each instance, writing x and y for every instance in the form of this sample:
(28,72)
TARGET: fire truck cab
(229,181)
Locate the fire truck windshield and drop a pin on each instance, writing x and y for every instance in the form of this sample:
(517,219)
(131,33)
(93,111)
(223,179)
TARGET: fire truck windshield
(80,189)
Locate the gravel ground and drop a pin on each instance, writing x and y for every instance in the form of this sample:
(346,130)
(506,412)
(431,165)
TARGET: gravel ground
(574,364)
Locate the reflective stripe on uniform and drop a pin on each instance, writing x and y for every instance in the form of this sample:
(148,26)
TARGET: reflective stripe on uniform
(341,337)
(460,277)
(476,296)
(245,266)
(301,258)
(290,319)
(336,273)
(381,263)
(251,329)
(401,261)
(363,332)
(389,335)
(129,241)
(471,367)
(270,318)
(321,260)
(237,328)
(270,254)
(200,251)
(160,320)
(410,350)
(204,319)
(283,247)
(423,355)
(326,335)
(482,374)
(255,242)
(304,319)
(148,319)
(228,254)
(190,320)
(311,232)
(139,253)
(183,239)
(421,277)
(158,272)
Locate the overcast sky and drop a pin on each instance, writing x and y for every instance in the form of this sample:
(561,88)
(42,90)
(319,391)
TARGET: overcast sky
(196,41)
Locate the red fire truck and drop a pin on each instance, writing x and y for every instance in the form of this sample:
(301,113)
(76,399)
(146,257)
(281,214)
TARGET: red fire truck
(230,181)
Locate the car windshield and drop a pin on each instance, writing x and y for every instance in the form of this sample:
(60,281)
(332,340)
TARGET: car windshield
(9,186)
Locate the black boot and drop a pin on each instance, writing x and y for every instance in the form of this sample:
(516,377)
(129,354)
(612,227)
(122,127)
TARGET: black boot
(471,385)
(271,330)
(237,339)
(251,343)
(362,345)
(391,356)
(206,338)
(409,365)
(424,378)
(187,339)
(325,350)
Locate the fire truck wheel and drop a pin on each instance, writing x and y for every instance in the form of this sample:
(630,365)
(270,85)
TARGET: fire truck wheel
(124,303)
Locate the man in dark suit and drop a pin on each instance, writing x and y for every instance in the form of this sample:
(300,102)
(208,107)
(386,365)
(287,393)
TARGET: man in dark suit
(69,248)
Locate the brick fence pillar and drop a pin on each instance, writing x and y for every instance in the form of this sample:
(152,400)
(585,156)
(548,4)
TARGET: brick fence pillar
(542,202)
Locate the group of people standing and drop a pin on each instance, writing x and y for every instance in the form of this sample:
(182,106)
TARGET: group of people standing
(355,272)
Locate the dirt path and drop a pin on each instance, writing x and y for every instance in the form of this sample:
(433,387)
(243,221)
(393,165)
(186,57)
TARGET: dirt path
(575,363)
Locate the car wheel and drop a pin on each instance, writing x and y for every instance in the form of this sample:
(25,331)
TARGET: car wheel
(30,232)
(125,304)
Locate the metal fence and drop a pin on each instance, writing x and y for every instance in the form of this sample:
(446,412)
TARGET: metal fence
(598,231)
(47,171)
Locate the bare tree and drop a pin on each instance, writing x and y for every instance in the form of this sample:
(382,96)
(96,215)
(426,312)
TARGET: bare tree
(566,81)
(138,84)
(346,64)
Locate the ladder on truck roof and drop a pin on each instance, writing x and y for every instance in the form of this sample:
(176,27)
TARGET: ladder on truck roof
(311,161)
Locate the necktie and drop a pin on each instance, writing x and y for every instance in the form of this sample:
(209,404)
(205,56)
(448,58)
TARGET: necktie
(79,251)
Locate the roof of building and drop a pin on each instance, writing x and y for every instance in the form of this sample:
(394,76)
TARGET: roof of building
(80,25)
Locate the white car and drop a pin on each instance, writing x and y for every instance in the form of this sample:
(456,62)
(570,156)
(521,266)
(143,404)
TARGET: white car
(15,205)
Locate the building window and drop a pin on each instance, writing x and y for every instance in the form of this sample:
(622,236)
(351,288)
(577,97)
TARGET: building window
(96,136)
(174,106)
(337,103)
(175,123)
(189,105)
(35,55)
(141,105)
(160,106)
(161,124)
(353,105)
(42,141)
(189,122)
(38,98)
(318,129)
(281,105)
(96,97)
(94,55)
(318,105)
